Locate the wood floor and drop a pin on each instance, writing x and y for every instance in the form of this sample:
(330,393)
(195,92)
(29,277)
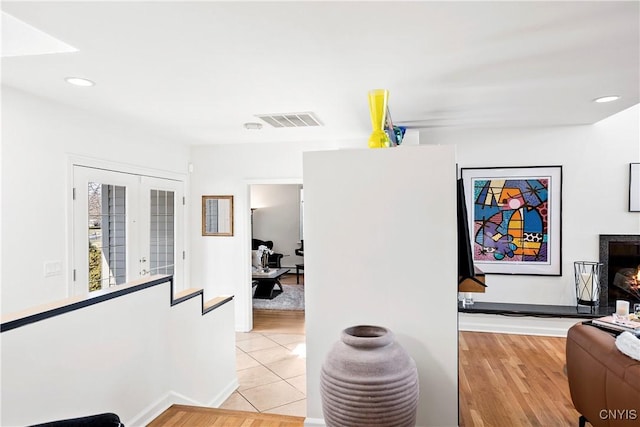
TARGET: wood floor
(290,278)
(513,380)
(194,416)
(278,321)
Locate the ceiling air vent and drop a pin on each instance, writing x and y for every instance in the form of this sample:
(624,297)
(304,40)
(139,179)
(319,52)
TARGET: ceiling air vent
(290,120)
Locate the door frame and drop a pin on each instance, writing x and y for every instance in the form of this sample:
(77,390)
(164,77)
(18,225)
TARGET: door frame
(95,163)
(245,298)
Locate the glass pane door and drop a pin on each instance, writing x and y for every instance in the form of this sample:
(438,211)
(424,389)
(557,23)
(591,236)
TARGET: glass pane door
(103,214)
(162,232)
(124,228)
(107,210)
(162,228)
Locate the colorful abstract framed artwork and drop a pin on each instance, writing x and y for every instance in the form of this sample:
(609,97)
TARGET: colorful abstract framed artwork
(515,219)
(634,187)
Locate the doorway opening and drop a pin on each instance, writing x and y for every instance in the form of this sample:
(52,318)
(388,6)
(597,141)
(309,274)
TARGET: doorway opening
(277,233)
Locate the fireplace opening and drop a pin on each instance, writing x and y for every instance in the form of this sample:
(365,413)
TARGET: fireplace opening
(620,256)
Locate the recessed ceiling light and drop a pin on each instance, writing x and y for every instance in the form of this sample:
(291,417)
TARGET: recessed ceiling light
(79,81)
(607,98)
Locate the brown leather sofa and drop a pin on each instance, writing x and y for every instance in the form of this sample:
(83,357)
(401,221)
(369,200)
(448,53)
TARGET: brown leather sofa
(604,383)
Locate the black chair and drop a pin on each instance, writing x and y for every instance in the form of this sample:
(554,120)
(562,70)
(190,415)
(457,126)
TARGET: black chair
(100,420)
(299,267)
(274,258)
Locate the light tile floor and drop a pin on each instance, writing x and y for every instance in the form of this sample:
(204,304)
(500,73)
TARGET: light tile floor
(272,374)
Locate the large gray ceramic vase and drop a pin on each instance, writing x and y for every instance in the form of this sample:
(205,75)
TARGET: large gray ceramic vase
(369,380)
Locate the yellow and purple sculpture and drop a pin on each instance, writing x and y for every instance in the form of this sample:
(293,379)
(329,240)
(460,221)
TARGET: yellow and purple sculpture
(378,107)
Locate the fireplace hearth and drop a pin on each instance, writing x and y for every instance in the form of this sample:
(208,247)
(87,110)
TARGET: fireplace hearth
(620,256)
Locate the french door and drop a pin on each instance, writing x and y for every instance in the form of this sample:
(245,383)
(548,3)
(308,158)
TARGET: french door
(125,227)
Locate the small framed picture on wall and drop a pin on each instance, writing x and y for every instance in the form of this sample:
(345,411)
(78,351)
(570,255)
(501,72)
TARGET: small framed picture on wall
(634,187)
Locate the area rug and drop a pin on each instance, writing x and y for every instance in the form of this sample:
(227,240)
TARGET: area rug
(292,298)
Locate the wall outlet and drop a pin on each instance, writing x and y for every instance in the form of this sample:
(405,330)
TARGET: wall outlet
(52,268)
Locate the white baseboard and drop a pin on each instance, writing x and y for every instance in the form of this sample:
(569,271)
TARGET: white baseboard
(152,411)
(224,394)
(519,325)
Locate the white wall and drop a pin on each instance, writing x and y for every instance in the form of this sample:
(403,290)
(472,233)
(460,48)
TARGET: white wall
(222,265)
(380,249)
(595,161)
(607,147)
(133,355)
(277,218)
(38,138)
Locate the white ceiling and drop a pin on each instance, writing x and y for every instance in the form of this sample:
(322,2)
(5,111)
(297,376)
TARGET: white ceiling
(196,71)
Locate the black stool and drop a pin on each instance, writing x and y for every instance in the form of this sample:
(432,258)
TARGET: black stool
(298,268)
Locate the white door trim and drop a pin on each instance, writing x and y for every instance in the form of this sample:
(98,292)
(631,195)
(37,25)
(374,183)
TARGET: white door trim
(74,160)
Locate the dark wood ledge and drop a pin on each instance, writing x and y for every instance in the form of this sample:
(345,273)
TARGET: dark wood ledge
(535,310)
(215,303)
(46,311)
(207,306)
(185,295)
